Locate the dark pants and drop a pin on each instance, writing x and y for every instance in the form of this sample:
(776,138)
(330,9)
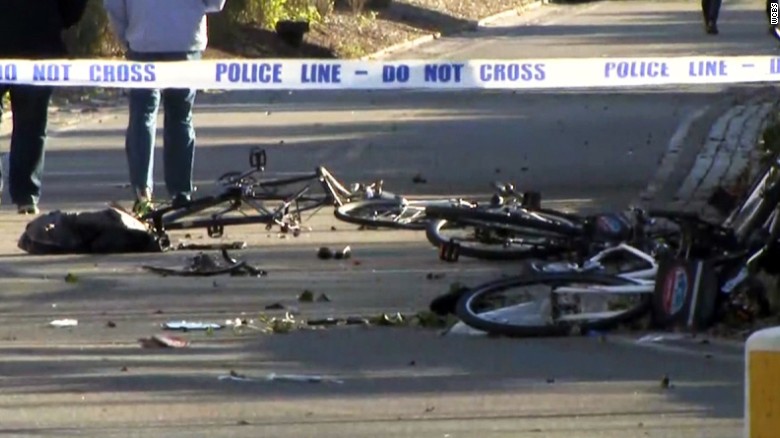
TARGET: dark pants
(710,9)
(30,105)
(178,131)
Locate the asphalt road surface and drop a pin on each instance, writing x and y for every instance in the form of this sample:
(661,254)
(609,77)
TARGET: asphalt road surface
(582,150)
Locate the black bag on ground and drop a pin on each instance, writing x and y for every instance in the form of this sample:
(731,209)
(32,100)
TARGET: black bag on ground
(103,232)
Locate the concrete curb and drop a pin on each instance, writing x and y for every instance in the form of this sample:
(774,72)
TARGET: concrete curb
(727,150)
(472,26)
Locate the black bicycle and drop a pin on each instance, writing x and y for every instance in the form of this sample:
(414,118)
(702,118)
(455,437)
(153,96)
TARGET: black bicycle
(248,198)
(523,230)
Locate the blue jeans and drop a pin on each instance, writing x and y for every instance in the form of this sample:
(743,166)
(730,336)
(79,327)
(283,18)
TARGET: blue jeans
(178,131)
(711,10)
(28,140)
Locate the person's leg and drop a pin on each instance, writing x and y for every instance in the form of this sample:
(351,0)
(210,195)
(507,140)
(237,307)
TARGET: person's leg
(711,12)
(3,91)
(28,140)
(179,138)
(140,141)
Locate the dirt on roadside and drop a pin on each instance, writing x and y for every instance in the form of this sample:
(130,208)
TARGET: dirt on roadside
(348,34)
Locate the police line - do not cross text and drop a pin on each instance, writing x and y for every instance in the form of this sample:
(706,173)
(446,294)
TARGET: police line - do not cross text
(305,74)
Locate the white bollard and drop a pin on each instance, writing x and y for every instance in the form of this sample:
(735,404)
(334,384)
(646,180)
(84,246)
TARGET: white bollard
(762,384)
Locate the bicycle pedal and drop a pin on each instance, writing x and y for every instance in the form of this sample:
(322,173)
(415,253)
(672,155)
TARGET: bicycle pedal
(449,252)
(215,231)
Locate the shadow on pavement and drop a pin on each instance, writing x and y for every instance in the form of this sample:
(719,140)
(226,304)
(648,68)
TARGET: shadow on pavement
(385,363)
(680,33)
(422,18)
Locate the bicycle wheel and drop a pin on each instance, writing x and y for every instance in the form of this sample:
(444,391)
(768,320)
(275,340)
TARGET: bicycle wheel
(537,221)
(492,241)
(583,305)
(387,213)
(502,233)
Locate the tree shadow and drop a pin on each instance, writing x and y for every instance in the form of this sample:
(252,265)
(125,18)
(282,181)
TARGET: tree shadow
(426,19)
(255,42)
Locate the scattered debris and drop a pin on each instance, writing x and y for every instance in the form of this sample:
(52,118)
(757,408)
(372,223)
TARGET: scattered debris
(306,296)
(418,179)
(665,383)
(163,341)
(550,380)
(660,338)
(429,409)
(186,326)
(243,423)
(71,278)
(239,322)
(333,228)
(435,276)
(111,324)
(281,325)
(412,363)
(345,253)
(59,323)
(235,377)
(323,298)
(300,378)
(203,265)
(388,320)
(210,247)
(123,369)
(275,306)
(352,320)
(324,253)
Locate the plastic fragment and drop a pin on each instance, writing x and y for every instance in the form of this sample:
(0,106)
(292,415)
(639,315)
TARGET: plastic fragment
(64,323)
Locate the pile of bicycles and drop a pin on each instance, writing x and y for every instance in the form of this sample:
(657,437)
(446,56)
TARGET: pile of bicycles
(587,272)
(613,269)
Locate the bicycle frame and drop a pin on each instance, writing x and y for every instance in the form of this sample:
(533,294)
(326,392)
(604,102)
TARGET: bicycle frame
(644,279)
(238,192)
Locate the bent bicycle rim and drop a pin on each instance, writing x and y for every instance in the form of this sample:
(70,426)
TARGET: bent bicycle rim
(534,314)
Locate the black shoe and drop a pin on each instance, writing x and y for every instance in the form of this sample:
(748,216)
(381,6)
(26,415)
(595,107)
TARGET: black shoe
(28,209)
(180,200)
(712,28)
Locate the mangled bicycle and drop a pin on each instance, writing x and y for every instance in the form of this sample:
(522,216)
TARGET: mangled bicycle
(249,198)
(693,276)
